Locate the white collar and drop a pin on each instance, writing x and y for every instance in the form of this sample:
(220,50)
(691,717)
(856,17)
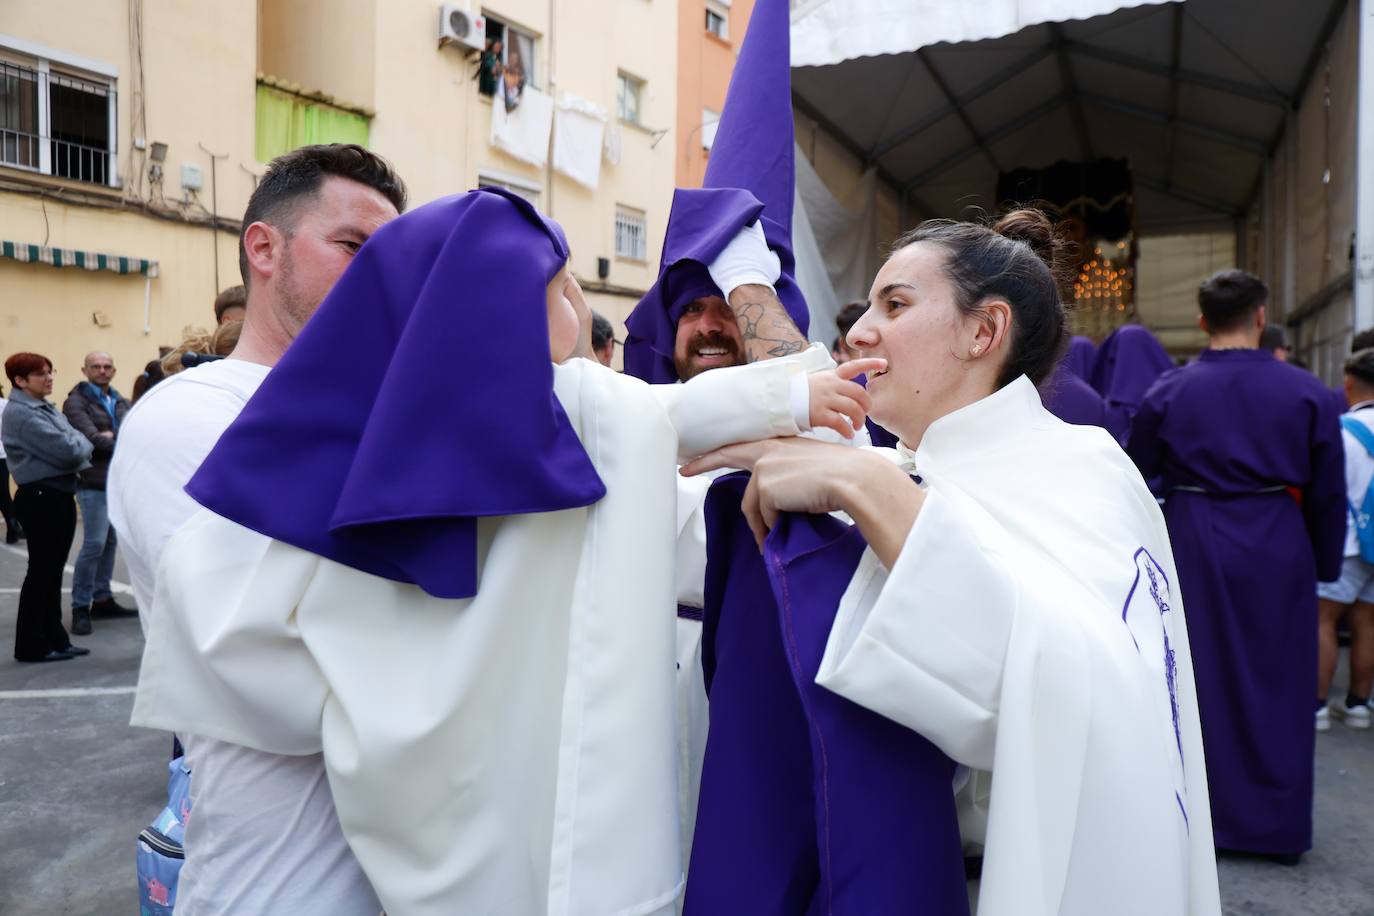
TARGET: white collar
(977,427)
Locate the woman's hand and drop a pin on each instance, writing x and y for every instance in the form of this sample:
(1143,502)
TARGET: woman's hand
(803,475)
(837,402)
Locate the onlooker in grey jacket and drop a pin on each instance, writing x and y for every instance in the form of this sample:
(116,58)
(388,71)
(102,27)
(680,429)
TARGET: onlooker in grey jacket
(45,452)
(97,411)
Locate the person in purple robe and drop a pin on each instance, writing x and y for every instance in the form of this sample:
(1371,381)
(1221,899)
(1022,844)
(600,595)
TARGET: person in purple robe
(1230,435)
(1127,364)
(1074,401)
(999,585)
(1082,353)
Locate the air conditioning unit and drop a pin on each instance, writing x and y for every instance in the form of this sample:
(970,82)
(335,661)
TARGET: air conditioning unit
(458,25)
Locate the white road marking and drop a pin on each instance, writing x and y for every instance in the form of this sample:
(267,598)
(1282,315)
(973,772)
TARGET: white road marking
(115,585)
(59,693)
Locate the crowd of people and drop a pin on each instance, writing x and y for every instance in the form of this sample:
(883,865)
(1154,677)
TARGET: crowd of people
(755,626)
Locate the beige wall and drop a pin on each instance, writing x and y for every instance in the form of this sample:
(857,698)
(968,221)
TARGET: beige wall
(199,64)
(323,45)
(705,64)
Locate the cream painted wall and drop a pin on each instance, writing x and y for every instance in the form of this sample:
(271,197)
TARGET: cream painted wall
(435,127)
(324,45)
(199,64)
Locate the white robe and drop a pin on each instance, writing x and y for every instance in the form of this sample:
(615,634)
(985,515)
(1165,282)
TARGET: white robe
(1022,630)
(512,753)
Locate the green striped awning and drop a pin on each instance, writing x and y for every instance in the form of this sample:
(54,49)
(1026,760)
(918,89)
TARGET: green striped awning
(70,257)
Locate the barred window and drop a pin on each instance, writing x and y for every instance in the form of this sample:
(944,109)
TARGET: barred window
(57,123)
(631,234)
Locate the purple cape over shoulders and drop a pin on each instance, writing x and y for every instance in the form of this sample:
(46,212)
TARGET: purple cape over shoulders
(372,444)
(1229,434)
(751,175)
(809,803)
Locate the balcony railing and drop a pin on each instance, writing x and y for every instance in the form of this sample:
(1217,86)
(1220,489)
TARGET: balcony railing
(57,124)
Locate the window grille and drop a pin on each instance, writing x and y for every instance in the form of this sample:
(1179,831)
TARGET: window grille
(631,234)
(57,124)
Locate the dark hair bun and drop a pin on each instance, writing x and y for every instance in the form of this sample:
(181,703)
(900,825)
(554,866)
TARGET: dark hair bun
(1035,229)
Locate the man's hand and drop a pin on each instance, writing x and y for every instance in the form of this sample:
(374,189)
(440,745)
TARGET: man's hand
(746,261)
(745,272)
(838,403)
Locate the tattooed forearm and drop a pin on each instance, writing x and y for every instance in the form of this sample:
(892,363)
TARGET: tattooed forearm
(767,329)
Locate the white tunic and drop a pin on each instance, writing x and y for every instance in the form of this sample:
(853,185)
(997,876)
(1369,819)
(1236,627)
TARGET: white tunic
(513,753)
(1031,626)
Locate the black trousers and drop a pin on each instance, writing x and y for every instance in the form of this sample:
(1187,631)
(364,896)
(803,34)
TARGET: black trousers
(6,501)
(49,519)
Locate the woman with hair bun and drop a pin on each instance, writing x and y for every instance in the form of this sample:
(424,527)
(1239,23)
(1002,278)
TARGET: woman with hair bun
(1006,592)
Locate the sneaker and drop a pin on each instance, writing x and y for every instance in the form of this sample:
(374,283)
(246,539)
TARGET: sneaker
(1352,716)
(108,607)
(1323,719)
(81,619)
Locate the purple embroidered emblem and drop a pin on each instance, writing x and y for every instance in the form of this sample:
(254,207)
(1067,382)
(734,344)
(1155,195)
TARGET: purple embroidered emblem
(1150,628)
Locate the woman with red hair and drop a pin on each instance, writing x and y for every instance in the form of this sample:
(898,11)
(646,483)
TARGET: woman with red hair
(44,452)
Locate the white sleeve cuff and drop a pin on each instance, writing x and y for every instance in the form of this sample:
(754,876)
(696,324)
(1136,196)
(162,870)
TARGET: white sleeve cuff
(799,394)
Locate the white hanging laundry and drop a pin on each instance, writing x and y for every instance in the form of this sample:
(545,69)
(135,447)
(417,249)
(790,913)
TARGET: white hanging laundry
(612,145)
(524,132)
(577,142)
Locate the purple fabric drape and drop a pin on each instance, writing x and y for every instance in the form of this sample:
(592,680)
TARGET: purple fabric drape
(809,803)
(383,434)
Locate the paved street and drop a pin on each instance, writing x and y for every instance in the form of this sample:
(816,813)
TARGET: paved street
(77,784)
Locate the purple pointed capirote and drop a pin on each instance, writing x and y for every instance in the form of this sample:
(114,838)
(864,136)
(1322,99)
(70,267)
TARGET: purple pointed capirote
(751,176)
(809,803)
(382,435)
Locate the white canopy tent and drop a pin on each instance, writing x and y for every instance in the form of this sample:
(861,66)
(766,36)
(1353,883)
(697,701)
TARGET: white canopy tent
(1208,100)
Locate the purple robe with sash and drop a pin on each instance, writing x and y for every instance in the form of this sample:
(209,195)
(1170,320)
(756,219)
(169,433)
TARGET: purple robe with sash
(810,804)
(1230,434)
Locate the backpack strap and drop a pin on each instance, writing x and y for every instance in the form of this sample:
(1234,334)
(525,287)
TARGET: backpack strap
(1362,433)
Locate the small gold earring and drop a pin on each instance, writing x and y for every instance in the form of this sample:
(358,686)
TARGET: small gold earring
(976,350)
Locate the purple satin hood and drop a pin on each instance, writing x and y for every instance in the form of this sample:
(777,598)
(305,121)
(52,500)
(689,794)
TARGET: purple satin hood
(383,434)
(751,175)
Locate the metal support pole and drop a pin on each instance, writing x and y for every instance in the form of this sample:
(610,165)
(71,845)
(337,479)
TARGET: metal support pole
(1290,213)
(1364,174)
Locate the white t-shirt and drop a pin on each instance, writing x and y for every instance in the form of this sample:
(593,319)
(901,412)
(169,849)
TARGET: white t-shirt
(1359,470)
(263,835)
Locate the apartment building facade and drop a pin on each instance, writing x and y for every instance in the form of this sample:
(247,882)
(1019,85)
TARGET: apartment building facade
(132,134)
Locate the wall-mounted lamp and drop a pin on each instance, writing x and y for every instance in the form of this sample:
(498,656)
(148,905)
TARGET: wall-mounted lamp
(157,154)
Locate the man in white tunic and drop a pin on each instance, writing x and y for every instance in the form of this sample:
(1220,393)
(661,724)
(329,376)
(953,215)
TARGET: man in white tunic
(262,835)
(496,740)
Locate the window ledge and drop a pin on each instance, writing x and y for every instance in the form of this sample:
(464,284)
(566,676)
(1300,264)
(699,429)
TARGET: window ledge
(644,129)
(712,36)
(39,180)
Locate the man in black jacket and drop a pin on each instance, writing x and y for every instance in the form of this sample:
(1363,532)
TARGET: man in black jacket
(96,410)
